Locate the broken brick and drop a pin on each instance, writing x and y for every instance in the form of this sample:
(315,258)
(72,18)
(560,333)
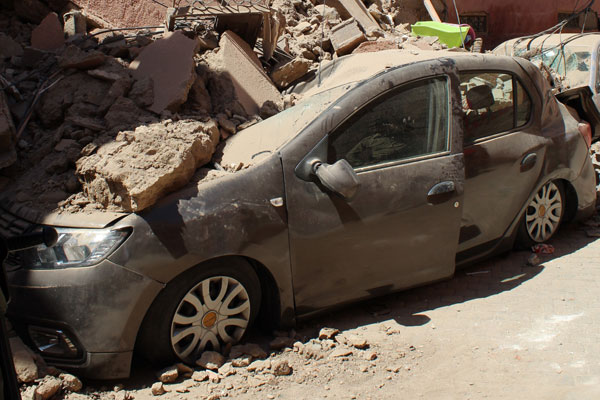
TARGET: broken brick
(287,73)
(346,36)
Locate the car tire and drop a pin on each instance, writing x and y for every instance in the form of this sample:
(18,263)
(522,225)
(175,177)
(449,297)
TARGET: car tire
(543,215)
(203,309)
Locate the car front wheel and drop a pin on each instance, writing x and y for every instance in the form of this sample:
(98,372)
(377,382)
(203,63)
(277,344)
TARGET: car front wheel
(204,309)
(543,215)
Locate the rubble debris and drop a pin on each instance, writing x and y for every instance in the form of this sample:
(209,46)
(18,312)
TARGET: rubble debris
(9,47)
(238,62)
(346,36)
(8,154)
(169,62)
(200,376)
(48,35)
(158,389)
(287,73)
(357,10)
(70,382)
(74,57)
(25,366)
(281,368)
(328,333)
(136,169)
(211,360)
(32,10)
(74,23)
(169,374)
(250,349)
(373,46)
(47,388)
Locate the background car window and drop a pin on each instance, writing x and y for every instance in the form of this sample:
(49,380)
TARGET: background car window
(489,105)
(408,122)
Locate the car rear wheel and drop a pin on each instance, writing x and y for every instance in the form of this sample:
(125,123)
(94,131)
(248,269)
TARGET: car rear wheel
(543,215)
(203,309)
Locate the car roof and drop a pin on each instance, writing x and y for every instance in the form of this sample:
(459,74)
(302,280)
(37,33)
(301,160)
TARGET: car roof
(359,67)
(590,39)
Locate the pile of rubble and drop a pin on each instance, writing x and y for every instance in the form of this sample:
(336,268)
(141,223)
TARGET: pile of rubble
(103,119)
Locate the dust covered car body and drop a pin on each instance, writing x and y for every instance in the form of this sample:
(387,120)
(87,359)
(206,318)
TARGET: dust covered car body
(394,169)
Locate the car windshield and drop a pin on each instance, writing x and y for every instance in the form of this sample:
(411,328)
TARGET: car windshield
(574,63)
(258,141)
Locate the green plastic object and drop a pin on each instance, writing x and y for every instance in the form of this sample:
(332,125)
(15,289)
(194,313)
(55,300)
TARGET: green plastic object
(449,34)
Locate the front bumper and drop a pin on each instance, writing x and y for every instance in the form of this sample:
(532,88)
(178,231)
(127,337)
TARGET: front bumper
(98,308)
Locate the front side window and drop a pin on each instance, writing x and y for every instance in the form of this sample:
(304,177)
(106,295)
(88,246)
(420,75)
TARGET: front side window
(407,122)
(493,102)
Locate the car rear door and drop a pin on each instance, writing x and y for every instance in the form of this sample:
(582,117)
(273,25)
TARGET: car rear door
(504,154)
(400,133)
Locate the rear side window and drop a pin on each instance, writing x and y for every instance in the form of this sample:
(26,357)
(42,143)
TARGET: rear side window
(407,122)
(493,102)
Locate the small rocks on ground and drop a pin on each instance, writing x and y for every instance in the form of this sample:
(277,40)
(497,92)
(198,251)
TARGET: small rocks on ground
(211,360)
(158,388)
(328,333)
(168,375)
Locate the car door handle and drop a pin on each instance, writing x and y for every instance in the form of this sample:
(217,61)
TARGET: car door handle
(441,192)
(528,162)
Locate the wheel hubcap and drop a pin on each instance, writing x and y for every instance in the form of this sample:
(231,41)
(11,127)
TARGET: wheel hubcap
(214,312)
(544,213)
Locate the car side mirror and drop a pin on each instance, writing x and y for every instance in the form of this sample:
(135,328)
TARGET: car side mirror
(340,178)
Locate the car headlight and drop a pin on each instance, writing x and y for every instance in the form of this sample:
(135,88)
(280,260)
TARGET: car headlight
(74,248)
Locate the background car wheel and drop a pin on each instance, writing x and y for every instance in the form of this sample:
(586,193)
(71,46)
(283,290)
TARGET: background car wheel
(203,309)
(543,215)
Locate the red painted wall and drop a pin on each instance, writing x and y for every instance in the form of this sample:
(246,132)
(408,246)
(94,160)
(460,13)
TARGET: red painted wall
(508,19)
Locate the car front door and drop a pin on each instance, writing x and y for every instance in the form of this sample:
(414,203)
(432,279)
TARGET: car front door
(399,134)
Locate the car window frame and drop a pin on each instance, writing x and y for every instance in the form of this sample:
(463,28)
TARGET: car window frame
(407,160)
(515,128)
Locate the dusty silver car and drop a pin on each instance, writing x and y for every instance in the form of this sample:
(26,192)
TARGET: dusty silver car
(394,170)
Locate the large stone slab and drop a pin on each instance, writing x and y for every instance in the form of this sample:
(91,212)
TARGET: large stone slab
(237,61)
(48,35)
(139,167)
(169,62)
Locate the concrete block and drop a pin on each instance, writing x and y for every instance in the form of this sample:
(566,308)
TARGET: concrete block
(169,62)
(48,35)
(252,86)
(346,36)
